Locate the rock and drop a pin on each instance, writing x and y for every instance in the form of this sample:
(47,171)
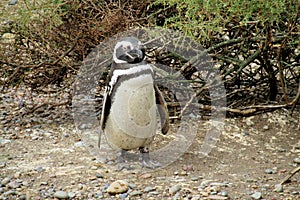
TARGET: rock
(123,196)
(174,189)
(269,171)
(4,141)
(216,197)
(17,175)
(249,122)
(146,175)
(71,195)
(79,144)
(245,133)
(5,181)
(94,167)
(278,188)
(195,178)
(61,194)
(256,195)
(295,192)
(265,127)
(14,184)
(118,187)
(224,193)
(12,2)
(8,38)
(135,193)
(39,169)
(148,189)
(131,185)
(44,183)
(297,160)
(98,175)
(205,183)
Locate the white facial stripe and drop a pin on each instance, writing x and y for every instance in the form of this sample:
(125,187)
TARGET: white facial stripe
(122,43)
(127,54)
(120,72)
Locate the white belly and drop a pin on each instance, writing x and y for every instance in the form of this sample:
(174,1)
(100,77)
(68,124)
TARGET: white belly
(132,120)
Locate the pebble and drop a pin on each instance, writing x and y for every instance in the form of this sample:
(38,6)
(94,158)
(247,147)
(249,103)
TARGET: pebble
(295,192)
(131,185)
(146,175)
(249,122)
(4,141)
(71,195)
(297,160)
(94,167)
(8,38)
(205,183)
(39,169)
(256,195)
(269,171)
(174,189)
(118,187)
(148,189)
(123,196)
(278,188)
(224,193)
(216,197)
(12,2)
(135,193)
(61,194)
(98,175)
(14,184)
(79,144)
(44,183)
(265,127)
(5,181)
(195,178)
(245,133)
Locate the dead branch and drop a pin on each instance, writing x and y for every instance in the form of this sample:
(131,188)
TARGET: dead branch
(292,173)
(51,105)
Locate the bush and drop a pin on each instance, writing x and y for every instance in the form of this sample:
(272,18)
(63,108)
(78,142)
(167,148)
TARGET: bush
(254,43)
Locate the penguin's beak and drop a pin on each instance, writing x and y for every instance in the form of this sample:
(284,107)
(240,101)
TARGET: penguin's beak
(135,55)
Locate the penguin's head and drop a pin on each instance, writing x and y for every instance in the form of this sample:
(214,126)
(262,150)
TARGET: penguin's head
(128,50)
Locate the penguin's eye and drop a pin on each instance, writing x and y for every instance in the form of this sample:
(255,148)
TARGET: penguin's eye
(126,48)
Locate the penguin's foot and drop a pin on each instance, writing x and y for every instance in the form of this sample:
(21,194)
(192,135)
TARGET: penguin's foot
(123,162)
(145,159)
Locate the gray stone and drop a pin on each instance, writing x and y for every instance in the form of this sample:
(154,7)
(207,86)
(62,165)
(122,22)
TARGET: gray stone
(4,141)
(265,127)
(71,195)
(269,171)
(39,169)
(118,187)
(174,189)
(14,184)
(148,189)
(123,196)
(135,193)
(195,178)
(8,38)
(297,160)
(12,2)
(5,181)
(278,188)
(256,195)
(79,144)
(61,194)
(224,193)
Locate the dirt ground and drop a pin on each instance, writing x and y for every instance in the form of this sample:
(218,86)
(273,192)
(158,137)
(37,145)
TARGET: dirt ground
(252,155)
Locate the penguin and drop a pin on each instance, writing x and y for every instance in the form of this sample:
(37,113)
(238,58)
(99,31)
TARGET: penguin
(131,103)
